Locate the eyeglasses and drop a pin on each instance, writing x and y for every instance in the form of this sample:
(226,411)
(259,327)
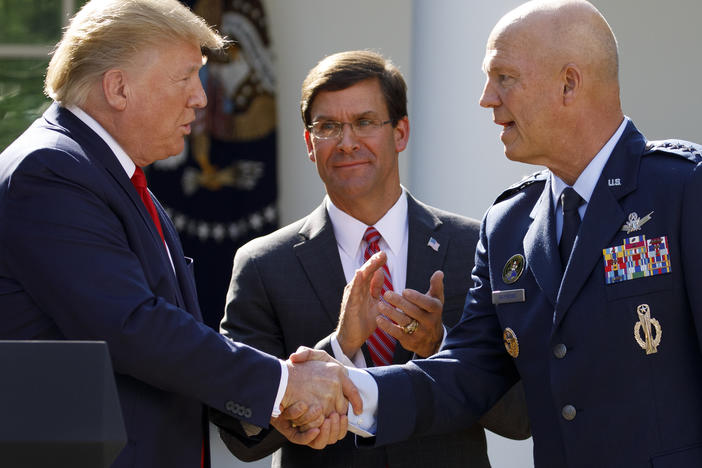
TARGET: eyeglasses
(327,129)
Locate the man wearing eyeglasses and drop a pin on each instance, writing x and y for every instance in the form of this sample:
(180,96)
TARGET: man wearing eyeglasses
(286,288)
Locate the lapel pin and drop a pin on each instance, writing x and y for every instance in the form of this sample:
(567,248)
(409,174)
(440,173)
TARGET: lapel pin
(513,269)
(634,223)
(649,343)
(434,244)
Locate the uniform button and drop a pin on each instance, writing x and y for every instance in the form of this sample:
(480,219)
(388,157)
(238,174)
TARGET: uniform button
(568,412)
(560,350)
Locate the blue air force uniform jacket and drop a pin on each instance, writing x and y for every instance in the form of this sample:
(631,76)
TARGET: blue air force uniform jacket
(609,355)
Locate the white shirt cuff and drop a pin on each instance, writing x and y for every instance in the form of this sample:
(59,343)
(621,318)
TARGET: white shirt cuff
(364,424)
(282,386)
(443,340)
(358,359)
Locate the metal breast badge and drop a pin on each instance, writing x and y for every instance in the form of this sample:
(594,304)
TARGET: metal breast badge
(511,342)
(648,343)
(634,223)
(513,269)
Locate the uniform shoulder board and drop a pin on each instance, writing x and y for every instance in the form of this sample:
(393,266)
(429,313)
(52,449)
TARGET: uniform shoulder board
(525,182)
(685,149)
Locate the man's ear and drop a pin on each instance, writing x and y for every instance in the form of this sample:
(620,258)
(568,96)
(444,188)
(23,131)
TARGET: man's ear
(572,79)
(310,148)
(114,86)
(401,134)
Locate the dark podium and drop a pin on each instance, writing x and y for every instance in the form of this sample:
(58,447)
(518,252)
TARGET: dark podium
(58,405)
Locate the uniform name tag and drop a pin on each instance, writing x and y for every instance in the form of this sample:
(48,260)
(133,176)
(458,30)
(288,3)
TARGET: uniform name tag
(508,296)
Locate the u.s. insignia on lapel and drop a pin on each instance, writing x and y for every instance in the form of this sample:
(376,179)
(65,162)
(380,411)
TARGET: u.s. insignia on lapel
(434,244)
(637,257)
(649,343)
(513,269)
(634,223)
(511,342)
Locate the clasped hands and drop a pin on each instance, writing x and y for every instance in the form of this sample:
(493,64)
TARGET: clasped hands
(315,404)
(316,400)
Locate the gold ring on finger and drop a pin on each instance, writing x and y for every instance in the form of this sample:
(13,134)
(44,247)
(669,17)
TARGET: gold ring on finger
(411,327)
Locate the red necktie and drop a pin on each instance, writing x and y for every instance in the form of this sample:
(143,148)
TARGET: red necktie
(139,182)
(380,344)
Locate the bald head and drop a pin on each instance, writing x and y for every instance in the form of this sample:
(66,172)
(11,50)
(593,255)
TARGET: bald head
(552,83)
(557,32)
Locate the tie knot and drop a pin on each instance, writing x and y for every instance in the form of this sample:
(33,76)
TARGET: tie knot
(371,235)
(570,200)
(138,178)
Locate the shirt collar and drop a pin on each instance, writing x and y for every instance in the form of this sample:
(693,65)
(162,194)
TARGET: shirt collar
(349,231)
(123,158)
(585,184)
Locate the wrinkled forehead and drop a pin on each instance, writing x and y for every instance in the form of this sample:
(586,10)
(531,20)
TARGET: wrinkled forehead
(519,38)
(502,44)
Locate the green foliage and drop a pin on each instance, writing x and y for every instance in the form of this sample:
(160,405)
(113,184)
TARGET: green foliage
(30,21)
(21,97)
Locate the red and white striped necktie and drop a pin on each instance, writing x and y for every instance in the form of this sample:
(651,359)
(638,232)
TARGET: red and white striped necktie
(380,344)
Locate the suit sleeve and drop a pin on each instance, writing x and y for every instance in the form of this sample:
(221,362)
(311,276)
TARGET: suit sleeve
(450,390)
(249,318)
(325,345)
(509,417)
(70,243)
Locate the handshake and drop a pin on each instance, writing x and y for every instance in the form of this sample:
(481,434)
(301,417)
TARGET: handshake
(316,400)
(319,390)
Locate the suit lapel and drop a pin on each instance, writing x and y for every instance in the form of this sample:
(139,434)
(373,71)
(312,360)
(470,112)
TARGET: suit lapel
(182,280)
(101,152)
(97,149)
(540,246)
(319,256)
(422,260)
(604,216)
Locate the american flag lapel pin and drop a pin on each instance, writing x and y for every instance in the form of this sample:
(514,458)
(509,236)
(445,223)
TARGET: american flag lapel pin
(434,244)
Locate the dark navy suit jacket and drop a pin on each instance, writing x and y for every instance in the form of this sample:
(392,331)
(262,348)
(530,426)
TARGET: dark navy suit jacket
(80,259)
(595,397)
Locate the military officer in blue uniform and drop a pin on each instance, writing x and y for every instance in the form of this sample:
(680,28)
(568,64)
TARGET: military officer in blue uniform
(586,274)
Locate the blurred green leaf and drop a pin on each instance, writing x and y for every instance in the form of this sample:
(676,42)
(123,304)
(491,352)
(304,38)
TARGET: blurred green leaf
(30,21)
(21,96)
